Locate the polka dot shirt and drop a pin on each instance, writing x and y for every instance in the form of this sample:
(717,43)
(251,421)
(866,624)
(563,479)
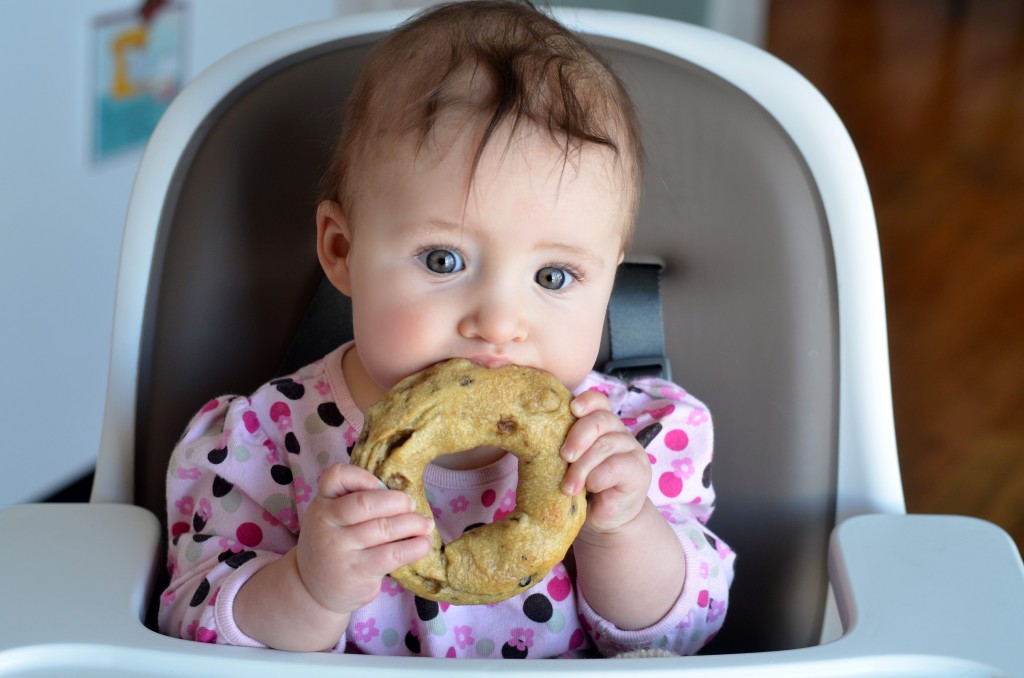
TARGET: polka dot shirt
(244,473)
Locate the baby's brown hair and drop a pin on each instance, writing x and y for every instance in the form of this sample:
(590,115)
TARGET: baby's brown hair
(501,62)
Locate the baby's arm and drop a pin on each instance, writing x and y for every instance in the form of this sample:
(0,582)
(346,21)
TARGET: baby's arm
(624,529)
(241,572)
(354,533)
(676,433)
(226,519)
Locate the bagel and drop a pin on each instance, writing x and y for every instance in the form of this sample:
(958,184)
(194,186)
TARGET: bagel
(458,405)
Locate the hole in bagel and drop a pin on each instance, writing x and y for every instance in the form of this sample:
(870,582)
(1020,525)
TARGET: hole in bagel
(474,458)
(497,505)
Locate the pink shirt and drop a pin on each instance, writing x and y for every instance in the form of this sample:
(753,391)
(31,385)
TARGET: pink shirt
(242,477)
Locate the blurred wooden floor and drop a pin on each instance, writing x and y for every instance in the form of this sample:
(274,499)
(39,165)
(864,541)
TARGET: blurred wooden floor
(932,93)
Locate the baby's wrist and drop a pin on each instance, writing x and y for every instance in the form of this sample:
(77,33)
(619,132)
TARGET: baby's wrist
(275,608)
(622,535)
(310,599)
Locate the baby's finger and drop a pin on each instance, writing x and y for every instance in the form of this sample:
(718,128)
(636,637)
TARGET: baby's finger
(384,558)
(587,430)
(359,507)
(589,401)
(388,529)
(601,449)
(341,479)
(626,473)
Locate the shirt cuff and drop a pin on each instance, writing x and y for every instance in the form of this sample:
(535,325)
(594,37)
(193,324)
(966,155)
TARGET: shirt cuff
(225,605)
(611,639)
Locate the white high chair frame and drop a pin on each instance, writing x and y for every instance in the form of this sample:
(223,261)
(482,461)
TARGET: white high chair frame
(69,605)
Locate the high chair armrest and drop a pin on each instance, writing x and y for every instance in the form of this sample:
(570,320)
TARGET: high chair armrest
(940,586)
(73,572)
(920,596)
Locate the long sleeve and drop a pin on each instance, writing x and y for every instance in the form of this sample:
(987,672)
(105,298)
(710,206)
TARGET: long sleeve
(239,482)
(242,476)
(676,430)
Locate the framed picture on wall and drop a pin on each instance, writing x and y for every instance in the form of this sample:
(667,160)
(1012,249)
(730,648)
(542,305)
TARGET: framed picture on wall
(138,68)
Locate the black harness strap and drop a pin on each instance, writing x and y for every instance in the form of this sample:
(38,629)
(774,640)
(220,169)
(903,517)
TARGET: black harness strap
(636,331)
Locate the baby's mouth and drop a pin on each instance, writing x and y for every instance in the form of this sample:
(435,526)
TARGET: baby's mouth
(490,360)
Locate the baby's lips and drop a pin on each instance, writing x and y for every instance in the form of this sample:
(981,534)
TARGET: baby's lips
(492,361)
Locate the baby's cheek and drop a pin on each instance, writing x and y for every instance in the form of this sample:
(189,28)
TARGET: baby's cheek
(571,365)
(395,342)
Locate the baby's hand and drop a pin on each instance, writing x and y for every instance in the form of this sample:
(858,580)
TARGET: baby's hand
(607,460)
(355,532)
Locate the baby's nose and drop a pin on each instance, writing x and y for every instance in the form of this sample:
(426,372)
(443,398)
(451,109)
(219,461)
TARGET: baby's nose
(497,317)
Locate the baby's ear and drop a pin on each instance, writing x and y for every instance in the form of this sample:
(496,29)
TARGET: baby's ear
(333,244)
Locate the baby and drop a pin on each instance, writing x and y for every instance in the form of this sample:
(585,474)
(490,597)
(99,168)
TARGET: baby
(480,198)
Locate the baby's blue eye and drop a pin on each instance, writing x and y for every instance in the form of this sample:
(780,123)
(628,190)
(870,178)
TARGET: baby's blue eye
(553,278)
(442,261)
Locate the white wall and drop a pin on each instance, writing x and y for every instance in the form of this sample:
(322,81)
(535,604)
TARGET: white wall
(61,217)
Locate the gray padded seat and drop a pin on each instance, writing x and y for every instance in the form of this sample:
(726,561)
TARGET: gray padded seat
(749,288)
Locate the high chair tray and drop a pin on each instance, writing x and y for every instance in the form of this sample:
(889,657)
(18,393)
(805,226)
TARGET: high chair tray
(919,595)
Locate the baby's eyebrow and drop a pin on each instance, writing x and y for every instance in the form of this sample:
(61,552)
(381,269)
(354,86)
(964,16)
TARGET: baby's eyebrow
(573,252)
(442,229)
(436,224)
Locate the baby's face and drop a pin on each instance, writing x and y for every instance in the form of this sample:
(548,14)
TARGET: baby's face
(517,271)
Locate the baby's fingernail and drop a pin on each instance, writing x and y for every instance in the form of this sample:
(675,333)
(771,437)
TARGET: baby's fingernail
(569,487)
(576,408)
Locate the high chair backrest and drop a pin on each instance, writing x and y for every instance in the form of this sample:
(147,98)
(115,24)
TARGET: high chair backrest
(755,203)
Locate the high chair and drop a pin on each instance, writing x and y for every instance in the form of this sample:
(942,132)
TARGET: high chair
(758,210)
